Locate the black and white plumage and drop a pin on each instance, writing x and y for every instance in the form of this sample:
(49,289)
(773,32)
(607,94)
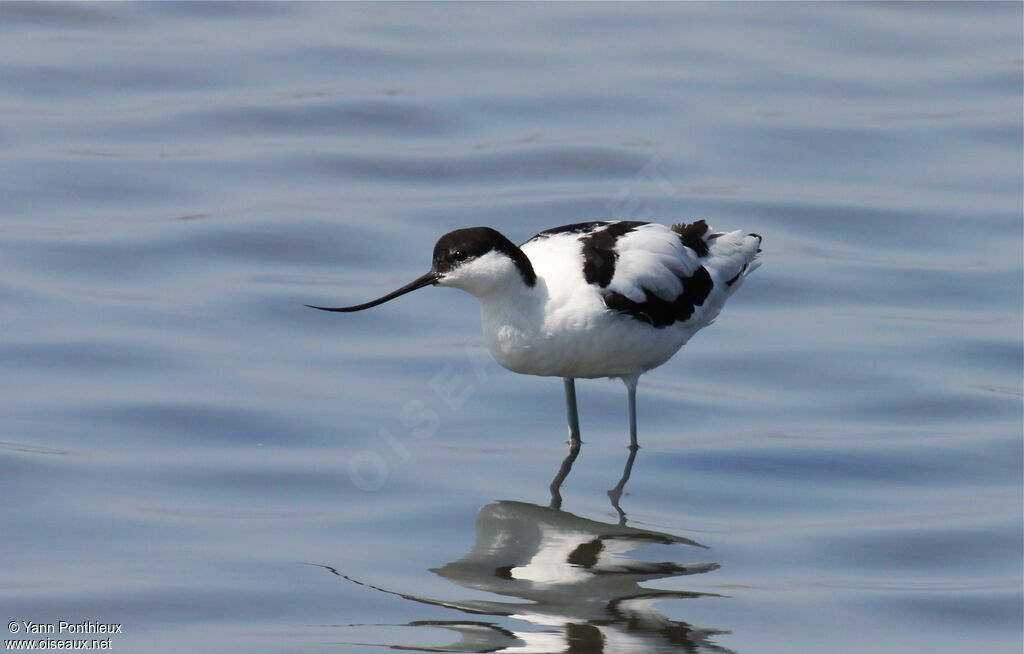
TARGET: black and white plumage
(596,299)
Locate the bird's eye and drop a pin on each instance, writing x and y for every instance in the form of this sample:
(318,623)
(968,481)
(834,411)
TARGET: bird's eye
(460,255)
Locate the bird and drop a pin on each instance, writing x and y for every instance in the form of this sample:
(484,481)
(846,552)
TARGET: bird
(607,298)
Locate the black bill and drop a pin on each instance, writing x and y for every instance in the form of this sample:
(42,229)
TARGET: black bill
(426,280)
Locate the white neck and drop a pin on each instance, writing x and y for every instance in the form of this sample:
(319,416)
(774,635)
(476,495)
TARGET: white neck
(513,312)
(512,321)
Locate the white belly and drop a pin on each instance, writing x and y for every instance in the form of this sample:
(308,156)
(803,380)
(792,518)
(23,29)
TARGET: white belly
(578,341)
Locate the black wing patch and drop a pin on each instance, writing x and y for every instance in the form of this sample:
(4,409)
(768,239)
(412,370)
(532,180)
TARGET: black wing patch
(692,236)
(599,255)
(598,238)
(599,259)
(662,313)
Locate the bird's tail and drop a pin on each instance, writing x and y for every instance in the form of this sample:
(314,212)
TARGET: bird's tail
(734,255)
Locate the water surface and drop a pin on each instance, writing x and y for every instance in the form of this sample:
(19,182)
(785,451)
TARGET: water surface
(834,466)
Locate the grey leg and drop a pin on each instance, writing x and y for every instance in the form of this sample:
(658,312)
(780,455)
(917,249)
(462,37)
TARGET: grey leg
(570,410)
(631,388)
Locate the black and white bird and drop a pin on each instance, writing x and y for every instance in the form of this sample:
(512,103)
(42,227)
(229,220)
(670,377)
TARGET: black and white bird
(596,299)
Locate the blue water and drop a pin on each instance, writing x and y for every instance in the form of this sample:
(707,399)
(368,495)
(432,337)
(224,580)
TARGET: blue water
(834,466)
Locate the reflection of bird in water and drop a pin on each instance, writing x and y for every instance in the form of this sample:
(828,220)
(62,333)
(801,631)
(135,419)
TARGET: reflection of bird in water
(597,299)
(577,581)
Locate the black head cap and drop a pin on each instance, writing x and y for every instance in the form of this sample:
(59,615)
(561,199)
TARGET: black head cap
(455,248)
